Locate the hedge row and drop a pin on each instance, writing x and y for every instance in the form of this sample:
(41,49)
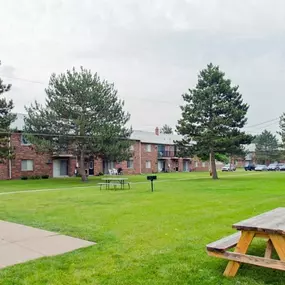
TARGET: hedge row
(36,177)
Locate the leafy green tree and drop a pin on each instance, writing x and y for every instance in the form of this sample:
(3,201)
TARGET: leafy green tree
(82,116)
(212,117)
(6,119)
(282,128)
(166,130)
(266,147)
(222,158)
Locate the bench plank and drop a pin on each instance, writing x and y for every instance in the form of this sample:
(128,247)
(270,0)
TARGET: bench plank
(249,259)
(224,243)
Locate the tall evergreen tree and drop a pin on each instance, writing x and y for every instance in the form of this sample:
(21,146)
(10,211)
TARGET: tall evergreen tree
(166,130)
(282,128)
(6,119)
(266,147)
(213,116)
(82,115)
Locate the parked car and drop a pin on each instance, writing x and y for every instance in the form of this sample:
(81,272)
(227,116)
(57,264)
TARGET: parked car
(249,167)
(273,167)
(229,167)
(282,167)
(261,167)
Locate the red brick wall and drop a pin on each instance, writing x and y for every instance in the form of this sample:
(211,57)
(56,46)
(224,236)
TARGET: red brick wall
(136,154)
(180,165)
(151,156)
(71,166)
(41,165)
(198,165)
(4,175)
(98,166)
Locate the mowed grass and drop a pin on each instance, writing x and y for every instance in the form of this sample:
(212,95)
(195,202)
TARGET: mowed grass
(142,237)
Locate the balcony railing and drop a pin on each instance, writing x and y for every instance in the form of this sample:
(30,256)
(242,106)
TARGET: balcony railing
(167,153)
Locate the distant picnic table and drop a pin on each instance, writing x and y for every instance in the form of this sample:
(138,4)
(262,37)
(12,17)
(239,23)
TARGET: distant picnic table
(114,182)
(269,226)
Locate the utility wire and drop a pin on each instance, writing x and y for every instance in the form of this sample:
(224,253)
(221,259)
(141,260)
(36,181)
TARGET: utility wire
(129,98)
(141,99)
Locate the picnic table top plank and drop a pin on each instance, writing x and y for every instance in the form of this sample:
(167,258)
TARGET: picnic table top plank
(272,222)
(113,178)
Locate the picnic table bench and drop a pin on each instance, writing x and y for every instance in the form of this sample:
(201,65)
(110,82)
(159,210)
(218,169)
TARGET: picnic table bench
(121,182)
(269,226)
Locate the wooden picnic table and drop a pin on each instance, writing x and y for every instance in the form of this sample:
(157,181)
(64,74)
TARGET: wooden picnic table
(269,226)
(109,181)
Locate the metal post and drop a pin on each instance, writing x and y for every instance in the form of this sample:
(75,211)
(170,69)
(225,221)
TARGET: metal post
(151,185)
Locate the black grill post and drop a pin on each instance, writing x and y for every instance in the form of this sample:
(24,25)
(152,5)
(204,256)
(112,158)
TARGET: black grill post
(151,178)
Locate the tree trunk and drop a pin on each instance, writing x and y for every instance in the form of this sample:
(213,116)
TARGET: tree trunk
(82,167)
(213,165)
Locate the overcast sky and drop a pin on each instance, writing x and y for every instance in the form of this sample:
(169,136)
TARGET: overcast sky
(152,50)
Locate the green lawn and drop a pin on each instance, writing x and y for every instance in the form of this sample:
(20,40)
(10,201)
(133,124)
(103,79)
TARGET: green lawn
(143,237)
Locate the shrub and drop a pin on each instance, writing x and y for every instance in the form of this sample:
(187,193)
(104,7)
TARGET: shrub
(45,176)
(37,177)
(24,178)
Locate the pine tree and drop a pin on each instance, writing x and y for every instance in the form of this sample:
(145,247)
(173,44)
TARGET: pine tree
(266,147)
(166,130)
(212,117)
(6,119)
(82,115)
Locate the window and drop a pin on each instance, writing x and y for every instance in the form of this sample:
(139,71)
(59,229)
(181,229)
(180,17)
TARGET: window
(24,141)
(147,164)
(203,164)
(148,147)
(27,165)
(130,164)
(196,163)
(132,148)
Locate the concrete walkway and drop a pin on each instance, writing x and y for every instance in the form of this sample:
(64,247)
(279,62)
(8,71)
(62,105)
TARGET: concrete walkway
(20,243)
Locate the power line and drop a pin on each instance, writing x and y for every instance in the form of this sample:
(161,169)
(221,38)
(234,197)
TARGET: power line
(262,123)
(129,98)
(137,98)
(23,79)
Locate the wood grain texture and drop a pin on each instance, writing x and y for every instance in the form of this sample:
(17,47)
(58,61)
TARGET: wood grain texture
(272,222)
(279,245)
(224,243)
(269,249)
(242,247)
(249,259)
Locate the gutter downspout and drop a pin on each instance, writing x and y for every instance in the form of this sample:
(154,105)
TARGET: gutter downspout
(140,157)
(10,162)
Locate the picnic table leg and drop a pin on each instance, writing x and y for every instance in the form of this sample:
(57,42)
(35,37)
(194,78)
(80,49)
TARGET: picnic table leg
(269,249)
(242,247)
(279,245)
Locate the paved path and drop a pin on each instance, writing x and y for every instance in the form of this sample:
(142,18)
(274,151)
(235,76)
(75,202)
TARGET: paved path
(19,243)
(87,186)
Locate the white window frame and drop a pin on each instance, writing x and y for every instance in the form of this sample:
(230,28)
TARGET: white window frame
(148,164)
(203,164)
(148,148)
(130,166)
(196,164)
(28,167)
(23,142)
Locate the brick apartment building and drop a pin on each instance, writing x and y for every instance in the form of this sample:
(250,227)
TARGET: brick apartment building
(152,152)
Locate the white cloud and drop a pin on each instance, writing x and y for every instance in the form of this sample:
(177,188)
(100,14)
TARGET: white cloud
(151,49)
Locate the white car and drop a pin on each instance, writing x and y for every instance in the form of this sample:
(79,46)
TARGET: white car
(229,167)
(261,167)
